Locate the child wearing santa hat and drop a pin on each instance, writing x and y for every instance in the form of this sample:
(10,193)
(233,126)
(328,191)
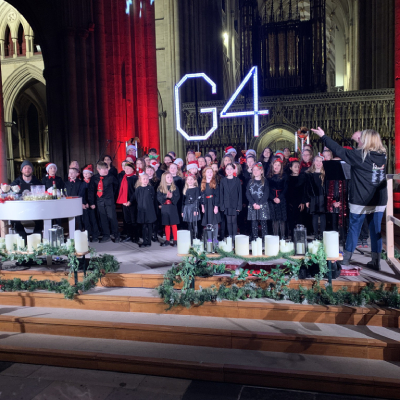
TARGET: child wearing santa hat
(51,179)
(89,216)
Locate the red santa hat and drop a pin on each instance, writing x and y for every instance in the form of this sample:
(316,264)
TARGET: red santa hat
(140,171)
(50,165)
(153,163)
(88,168)
(230,150)
(129,147)
(250,152)
(192,165)
(279,153)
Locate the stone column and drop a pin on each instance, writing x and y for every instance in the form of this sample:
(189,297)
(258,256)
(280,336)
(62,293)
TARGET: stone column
(2,49)
(3,145)
(15,47)
(9,151)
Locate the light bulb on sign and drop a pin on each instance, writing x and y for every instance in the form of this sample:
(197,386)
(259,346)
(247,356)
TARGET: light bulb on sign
(128,6)
(202,110)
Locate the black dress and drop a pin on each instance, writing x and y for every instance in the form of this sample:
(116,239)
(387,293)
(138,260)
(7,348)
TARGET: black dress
(258,193)
(230,196)
(146,213)
(294,197)
(277,189)
(210,199)
(169,208)
(315,193)
(113,171)
(191,204)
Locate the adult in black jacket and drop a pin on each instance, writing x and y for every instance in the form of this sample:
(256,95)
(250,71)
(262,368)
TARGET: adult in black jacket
(102,192)
(111,169)
(25,181)
(230,200)
(368,190)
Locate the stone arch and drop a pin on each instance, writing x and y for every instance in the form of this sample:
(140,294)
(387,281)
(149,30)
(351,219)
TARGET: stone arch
(21,77)
(271,134)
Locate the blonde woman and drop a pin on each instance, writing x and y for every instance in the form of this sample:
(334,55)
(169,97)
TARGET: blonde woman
(368,190)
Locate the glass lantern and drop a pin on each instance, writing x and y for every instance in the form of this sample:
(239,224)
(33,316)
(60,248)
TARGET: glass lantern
(59,236)
(208,239)
(300,240)
(53,237)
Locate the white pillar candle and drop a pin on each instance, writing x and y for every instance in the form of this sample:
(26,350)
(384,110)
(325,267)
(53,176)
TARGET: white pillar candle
(254,248)
(183,242)
(45,241)
(300,249)
(259,246)
(10,240)
(331,244)
(21,243)
(291,246)
(33,241)
(242,245)
(271,245)
(81,242)
(222,245)
(282,246)
(228,244)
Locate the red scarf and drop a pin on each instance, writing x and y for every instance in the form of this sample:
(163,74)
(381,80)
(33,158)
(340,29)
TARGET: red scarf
(123,190)
(305,165)
(87,180)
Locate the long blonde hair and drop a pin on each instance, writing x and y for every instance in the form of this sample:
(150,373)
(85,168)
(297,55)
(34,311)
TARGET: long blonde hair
(371,141)
(186,187)
(260,166)
(312,169)
(139,181)
(163,187)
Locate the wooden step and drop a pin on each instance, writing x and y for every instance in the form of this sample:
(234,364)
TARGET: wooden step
(223,369)
(250,309)
(152,281)
(350,346)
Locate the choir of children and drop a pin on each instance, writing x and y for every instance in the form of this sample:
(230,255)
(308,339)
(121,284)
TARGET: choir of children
(275,194)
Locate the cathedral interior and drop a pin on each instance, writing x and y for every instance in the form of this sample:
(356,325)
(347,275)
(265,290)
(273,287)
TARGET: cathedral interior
(80,78)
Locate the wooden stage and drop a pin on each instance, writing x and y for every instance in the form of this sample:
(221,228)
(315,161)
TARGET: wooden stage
(336,349)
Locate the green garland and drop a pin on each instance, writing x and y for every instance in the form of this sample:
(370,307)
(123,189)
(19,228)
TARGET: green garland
(98,267)
(278,289)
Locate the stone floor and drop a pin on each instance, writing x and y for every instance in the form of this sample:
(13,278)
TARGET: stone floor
(38,382)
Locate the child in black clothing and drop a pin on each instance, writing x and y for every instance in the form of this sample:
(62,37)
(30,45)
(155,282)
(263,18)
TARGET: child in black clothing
(102,191)
(231,199)
(155,182)
(168,197)
(191,204)
(146,215)
(315,195)
(89,215)
(277,181)
(51,179)
(295,195)
(126,197)
(257,194)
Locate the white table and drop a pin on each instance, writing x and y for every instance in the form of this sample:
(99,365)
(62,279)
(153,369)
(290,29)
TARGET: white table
(45,210)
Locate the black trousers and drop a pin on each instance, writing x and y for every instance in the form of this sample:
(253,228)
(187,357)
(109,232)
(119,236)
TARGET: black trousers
(322,218)
(147,231)
(108,217)
(19,228)
(130,220)
(90,223)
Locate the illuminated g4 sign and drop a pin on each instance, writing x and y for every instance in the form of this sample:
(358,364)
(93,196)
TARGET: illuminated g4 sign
(224,113)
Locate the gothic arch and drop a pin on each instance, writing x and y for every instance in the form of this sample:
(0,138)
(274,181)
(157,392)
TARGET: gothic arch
(21,77)
(271,134)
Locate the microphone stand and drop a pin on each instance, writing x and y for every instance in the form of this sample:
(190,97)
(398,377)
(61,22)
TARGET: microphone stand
(105,149)
(116,151)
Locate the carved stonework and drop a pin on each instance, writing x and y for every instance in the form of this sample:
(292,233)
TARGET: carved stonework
(12,16)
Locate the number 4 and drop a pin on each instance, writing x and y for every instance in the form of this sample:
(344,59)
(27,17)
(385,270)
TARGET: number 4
(224,114)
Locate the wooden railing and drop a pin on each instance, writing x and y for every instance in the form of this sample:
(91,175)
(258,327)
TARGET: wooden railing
(391,221)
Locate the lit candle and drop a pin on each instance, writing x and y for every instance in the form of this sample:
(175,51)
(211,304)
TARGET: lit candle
(331,244)
(271,245)
(222,245)
(81,242)
(33,241)
(183,242)
(282,246)
(242,245)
